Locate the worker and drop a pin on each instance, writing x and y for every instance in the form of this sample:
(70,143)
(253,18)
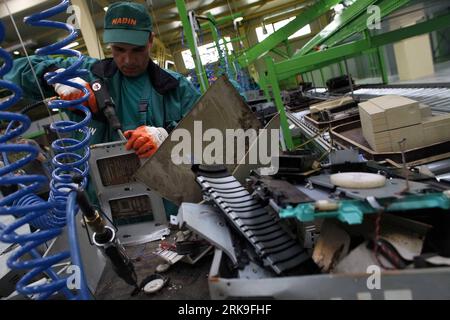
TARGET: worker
(134,82)
(132,78)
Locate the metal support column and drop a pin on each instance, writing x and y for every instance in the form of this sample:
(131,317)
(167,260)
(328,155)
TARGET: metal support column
(382,64)
(273,80)
(88,30)
(192,43)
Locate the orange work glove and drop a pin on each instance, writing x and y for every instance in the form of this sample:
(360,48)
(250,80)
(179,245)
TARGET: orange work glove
(145,140)
(66,92)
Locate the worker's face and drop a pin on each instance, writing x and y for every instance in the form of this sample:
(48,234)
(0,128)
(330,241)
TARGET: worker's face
(132,60)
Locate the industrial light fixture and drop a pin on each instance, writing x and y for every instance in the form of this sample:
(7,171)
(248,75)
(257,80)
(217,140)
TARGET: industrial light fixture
(237,20)
(16,52)
(71,45)
(339,8)
(105,8)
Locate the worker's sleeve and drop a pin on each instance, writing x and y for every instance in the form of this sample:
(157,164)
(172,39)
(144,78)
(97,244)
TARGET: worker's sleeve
(238,87)
(188,95)
(22,73)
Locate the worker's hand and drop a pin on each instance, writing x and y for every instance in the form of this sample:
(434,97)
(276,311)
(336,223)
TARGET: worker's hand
(145,140)
(66,92)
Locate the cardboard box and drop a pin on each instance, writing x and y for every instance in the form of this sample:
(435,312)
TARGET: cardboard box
(413,135)
(436,129)
(425,111)
(388,141)
(390,112)
(382,117)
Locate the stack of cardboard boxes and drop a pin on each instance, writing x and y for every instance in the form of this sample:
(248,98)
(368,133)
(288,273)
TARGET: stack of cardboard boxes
(387,120)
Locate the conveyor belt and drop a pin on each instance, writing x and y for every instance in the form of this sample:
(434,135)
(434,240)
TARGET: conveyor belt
(437,98)
(272,243)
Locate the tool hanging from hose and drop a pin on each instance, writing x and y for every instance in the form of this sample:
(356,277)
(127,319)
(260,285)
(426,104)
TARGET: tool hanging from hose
(104,237)
(69,177)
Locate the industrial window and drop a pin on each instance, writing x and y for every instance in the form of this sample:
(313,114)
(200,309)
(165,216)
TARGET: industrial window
(208,54)
(269,28)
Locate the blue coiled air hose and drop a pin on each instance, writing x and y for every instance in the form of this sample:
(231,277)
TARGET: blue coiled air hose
(71,156)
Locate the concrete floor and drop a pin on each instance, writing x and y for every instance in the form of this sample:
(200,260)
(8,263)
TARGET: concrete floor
(186,282)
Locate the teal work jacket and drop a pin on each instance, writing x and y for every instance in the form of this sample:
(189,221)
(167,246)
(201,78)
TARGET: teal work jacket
(170,95)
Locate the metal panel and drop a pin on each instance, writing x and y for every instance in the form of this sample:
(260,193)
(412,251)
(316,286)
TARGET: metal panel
(420,284)
(221,108)
(109,190)
(207,222)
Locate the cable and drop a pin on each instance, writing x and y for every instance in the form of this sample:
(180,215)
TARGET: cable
(50,217)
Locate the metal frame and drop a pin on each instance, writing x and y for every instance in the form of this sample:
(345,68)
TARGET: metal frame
(192,43)
(417,284)
(132,233)
(301,64)
(271,42)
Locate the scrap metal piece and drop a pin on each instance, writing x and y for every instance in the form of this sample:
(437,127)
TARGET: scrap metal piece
(209,224)
(332,246)
(169,173)
(276,247)
(138,210)
(283,192)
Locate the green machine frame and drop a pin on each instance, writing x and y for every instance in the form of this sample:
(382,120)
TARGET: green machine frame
(304,61)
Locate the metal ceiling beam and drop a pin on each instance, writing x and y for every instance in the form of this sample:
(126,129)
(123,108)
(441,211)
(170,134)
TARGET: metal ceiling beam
(247,17)
(224,14)
(307,16)
(301,64)
(360,24)
(351,21)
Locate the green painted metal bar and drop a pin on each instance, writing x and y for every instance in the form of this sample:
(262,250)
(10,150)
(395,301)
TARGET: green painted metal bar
(360,24)
(382,64)
(222,20)
(304,18)
(279,103)
(263,84)
(322,76)
(289,50)
(189,34)
(280,53)
(33,135)
(215,35)
(349,14)
(314,60)
(350,23)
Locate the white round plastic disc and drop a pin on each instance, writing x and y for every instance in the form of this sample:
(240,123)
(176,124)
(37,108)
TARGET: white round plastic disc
(358,180)
(154,286)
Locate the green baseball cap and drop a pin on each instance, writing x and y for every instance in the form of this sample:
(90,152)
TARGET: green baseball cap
(127,22)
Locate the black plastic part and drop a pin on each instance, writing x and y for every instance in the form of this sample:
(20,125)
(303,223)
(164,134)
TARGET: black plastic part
(104,237)
(122,265)
(105,103)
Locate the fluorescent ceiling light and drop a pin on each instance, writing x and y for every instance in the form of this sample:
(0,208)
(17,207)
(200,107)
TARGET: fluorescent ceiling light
(71,45)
